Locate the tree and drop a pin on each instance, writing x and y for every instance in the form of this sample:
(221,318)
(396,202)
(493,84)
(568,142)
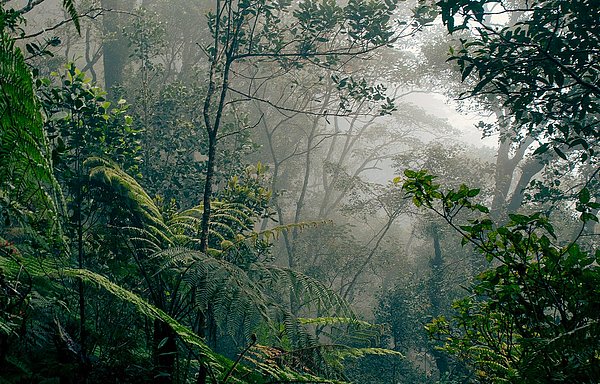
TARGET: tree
(323,169)
(528,317)
(433,268)
(114,44)
(532,317)
(28,183)
(543,69)
(121,247)
(249,33)
(485,46)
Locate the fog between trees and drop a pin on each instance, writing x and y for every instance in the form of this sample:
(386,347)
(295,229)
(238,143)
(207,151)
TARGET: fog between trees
(299,191)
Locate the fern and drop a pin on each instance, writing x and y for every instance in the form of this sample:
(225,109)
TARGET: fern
(143,307)
(69,6)
(237,301)
(219,364)
(277,363)
(332,320)
(229,283)
(26,173)
(309,291)
(107,174)
(7,327)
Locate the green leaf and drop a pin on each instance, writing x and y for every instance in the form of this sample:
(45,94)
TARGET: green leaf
(473,192)
(518,219)
(482,208)
(560,153)
(586,216)
(69,6)
(467,71)
(584,196)
(541,149)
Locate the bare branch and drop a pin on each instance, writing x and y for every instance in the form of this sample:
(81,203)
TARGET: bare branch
(92,14)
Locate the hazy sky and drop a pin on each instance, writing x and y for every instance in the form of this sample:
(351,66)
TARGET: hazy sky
(437,105)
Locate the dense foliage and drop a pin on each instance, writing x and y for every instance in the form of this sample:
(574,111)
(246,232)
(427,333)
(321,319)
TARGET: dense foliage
(533,317)
(84,247)
(542,65)
(216,214)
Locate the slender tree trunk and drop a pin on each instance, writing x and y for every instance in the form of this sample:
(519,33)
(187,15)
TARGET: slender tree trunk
(212,127)
(349,293)
(223,54)
(352,138)
(435,297)
(164,350)
(83,358)
(290,243)
(210,170)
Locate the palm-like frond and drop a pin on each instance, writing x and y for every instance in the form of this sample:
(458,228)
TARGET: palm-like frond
(69,6)
(236,301)
(26,174)
(308,291)
(284,367)
(129,192)
(229,223)
(143,307)
(228,220)
(29,295)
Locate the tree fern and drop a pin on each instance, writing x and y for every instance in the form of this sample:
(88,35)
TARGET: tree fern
(217,362)
(232,282)
(49,268)
(310,292)
(144,307)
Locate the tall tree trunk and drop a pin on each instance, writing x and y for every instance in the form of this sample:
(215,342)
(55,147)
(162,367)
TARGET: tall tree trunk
(114,47)
(435,297)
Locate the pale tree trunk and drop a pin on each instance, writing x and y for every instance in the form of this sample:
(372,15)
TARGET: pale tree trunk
(114,47)
(514,172)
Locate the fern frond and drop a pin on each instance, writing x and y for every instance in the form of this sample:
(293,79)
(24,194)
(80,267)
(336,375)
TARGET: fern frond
(346,352)
(333,320)
(7,327)
(235,299)
(268,361)
(35,267)
(144,308)
(496,366)
(25,167)
(221,230)
(227,220)
(69,6)
(309,291)
(107,174)
(276,231)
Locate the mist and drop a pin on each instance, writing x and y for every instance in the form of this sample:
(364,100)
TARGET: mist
(298,191)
